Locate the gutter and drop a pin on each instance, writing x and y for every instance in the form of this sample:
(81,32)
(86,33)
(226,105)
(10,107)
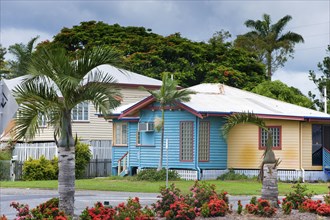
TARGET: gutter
(196,150)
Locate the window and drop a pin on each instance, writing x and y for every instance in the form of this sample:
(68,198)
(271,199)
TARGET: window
(120,134)
(186,140)
(138,138)
(276,134)
(80,112)
(317,144)
(42,122)
(204,141)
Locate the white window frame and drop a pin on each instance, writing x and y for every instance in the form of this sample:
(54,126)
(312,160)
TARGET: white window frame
(120,137)
(80,113)
(42,122)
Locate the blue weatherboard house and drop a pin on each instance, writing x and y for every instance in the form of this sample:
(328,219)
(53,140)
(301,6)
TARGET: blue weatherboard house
(196,146)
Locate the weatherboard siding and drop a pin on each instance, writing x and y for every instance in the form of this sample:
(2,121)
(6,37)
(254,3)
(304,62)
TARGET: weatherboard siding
(244,153)
(218,146)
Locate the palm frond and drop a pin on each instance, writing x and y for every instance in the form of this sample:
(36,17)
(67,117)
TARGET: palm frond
(239,118)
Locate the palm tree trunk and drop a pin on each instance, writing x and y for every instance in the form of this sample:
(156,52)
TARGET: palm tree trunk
(160,164)
(269,65)
(66,166)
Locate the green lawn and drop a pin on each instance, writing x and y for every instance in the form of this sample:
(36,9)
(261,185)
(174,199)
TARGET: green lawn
(247,187)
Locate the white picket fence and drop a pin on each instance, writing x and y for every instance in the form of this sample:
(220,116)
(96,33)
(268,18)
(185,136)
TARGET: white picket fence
(100,150)
(187,174)
(283,175)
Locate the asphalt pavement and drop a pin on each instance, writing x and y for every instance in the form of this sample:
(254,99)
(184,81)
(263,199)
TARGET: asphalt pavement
(84,198)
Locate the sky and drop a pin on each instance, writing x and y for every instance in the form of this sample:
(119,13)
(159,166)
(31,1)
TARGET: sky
(197,20)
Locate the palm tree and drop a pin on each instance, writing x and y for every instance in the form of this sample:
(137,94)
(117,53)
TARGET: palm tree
(23,54)
(267,40)
(168,95)
(57,84)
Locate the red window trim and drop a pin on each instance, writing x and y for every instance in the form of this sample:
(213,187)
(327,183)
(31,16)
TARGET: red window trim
(209,128)
(274,148)
(192,141)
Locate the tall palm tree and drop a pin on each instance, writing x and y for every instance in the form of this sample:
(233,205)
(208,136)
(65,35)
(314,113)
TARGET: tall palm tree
(269,42)
(57,84)
(168,95)
(23,54)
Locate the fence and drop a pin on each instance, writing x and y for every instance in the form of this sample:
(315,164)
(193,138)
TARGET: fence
(95,168)
(100,149)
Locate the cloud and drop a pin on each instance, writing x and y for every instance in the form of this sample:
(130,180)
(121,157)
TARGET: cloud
(12,36)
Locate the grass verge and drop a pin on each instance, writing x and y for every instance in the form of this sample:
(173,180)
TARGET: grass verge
(241,187)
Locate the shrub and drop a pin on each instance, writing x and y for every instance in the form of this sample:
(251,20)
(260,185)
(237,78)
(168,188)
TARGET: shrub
(239,207)
(154,175)
(97,212)
(180,210)
(82,155)
(262,208)
(231,175)
(47,210)
(40,169)
(215,207)
(323,209)
(130,211)
(5,154)
(310,205)
(298,196)
(326,198)
(200,193)
(287,207)
(167,197)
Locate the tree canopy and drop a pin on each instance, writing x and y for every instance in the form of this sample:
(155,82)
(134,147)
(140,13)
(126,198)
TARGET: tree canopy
(280,91)
(151,54)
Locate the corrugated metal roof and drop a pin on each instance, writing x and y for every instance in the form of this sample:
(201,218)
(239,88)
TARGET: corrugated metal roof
(219,98)
(128,77)
(120,75)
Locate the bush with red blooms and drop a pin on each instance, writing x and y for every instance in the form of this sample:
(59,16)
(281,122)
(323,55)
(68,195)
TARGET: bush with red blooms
(310,205)
(167,197)
(262,208)
(99,211)
(323,209)
(132,210)
(214,207)
(180,210)
(287,207)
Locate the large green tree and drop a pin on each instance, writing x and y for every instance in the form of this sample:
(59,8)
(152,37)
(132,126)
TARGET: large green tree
(168,95)
(3,69)
(321,81)
(269,42)
(280,91)
(57,84)
(151,54)
(22,54)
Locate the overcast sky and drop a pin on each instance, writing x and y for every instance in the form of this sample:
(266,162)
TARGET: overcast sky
(20,20)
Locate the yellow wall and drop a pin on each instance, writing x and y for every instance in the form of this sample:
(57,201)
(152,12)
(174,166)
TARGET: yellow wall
(243,146)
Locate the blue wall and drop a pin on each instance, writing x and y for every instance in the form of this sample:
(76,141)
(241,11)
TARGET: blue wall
(147,155)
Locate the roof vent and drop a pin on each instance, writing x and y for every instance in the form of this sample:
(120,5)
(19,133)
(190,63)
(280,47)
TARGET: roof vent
(221,89)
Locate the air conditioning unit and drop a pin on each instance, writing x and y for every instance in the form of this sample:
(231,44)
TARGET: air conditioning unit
(146,126)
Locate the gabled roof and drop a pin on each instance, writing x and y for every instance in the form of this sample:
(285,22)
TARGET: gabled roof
(122,77)
(125,77)
(218,100)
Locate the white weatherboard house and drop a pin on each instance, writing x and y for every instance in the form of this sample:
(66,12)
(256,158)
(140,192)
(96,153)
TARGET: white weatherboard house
(301,136)
(86,124)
